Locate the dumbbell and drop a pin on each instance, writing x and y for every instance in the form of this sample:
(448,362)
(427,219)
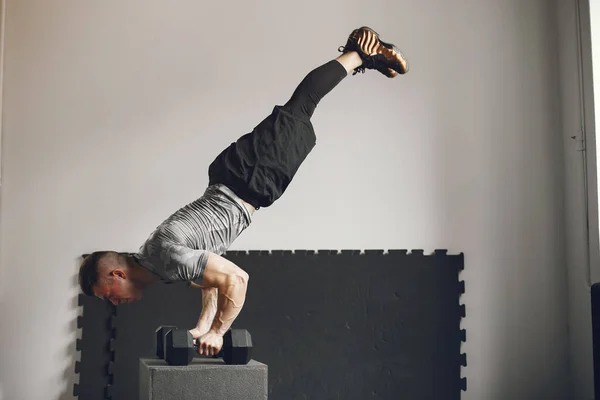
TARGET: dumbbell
(177,347)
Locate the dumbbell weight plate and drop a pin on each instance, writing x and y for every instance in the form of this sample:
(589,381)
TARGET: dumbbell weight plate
(237,347)
(179,347)
(159,341)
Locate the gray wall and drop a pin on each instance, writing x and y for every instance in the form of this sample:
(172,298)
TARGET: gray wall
(113,110)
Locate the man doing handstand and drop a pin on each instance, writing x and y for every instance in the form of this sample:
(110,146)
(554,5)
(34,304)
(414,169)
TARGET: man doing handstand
(251,173)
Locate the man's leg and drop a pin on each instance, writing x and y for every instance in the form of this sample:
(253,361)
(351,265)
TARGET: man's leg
(260,165)
(363,50)
(319,82)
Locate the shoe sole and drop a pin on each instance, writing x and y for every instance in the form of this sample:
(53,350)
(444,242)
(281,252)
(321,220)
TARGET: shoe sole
(389,46)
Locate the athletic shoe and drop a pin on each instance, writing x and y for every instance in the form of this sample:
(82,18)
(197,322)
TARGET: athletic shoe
(375,53)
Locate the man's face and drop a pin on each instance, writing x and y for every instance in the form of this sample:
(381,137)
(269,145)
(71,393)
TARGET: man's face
(117,289)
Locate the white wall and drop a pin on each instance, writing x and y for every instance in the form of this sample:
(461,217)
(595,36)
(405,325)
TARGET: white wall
(113,110)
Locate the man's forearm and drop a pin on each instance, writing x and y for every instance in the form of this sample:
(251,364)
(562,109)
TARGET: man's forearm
(231,298)
(209,309)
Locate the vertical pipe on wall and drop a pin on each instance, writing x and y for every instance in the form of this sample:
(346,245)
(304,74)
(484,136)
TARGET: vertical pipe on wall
(588,29)
(588,138)
(2,27)
(580,136)
(574,56)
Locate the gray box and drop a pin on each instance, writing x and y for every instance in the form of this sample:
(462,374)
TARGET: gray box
(202,379)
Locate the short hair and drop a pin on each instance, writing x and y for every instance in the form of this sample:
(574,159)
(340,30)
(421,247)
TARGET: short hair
(88,271)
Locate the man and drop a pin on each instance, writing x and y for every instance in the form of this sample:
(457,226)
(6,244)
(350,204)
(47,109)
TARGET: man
(251,173)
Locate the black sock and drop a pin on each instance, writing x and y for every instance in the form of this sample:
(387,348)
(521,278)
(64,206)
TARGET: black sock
(314,87)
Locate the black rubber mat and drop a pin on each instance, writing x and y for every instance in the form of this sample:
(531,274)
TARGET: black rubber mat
(329,325)
(95,347)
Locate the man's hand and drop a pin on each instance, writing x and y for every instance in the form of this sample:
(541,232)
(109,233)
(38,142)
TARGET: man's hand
(210,343)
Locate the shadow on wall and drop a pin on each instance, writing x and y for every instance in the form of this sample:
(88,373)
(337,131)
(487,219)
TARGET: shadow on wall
(72,331)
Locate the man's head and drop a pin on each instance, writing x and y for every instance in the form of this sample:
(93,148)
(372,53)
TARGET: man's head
(111,276)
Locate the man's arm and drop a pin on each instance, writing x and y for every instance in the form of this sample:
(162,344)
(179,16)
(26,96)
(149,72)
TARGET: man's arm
(209,310)
(231,283)
(228,283)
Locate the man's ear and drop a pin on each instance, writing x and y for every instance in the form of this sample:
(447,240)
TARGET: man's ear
(118,273)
